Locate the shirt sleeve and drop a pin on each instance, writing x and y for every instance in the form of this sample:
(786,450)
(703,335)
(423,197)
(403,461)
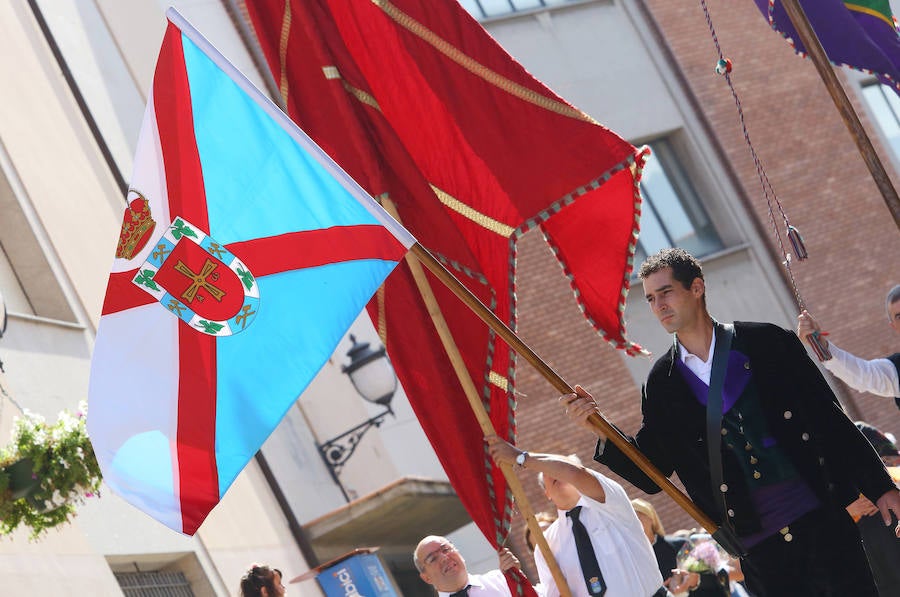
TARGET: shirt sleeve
(877,376)
(616,500)
(491,583)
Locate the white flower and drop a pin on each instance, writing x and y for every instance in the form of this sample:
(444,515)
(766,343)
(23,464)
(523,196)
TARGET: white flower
(40,436)
(33,419)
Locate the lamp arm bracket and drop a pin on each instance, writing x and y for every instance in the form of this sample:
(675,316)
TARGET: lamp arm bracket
(338,450)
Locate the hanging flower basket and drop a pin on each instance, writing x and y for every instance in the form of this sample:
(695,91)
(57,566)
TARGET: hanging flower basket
(21,480)
(46,471)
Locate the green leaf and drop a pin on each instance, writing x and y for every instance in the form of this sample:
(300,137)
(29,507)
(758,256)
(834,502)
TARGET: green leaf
(209,327)
(180,228)
(246,277)
(145,278)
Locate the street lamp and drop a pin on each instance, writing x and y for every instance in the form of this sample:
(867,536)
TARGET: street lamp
(374,379)
(371,373)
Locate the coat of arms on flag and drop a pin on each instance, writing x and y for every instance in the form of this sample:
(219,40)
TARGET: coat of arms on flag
(200,281)
(245,254)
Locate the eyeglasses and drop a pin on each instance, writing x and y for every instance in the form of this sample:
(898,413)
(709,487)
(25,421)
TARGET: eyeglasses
(443,550)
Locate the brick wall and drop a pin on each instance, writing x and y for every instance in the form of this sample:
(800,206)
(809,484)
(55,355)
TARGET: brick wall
(823,184)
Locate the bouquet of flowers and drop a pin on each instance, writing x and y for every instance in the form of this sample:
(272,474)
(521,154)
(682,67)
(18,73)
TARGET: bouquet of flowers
(701,554)
(45,471)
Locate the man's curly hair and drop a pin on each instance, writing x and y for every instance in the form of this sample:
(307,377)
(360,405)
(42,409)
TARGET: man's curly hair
(685,267)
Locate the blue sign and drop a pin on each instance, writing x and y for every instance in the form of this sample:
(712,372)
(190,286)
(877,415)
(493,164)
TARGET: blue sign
(361,575)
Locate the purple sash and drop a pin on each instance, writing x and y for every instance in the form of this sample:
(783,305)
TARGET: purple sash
(737,376)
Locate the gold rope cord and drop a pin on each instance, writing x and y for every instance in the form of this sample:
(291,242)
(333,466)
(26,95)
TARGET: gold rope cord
(479,218)
(476,68)
(332,73)
(283,86)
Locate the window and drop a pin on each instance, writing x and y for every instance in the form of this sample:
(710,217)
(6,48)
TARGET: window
(885,106)
(27,278)
(482,9)
(672,214)
(92,63)
(10,288)
(158,584)
(161,575)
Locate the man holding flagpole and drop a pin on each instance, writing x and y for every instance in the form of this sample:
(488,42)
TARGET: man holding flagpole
(597,538)
(760,442)
(442,566)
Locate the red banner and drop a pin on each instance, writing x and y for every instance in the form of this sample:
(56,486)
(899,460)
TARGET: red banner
(417,102)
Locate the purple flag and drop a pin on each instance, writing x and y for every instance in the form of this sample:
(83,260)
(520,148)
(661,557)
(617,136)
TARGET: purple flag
(860,34)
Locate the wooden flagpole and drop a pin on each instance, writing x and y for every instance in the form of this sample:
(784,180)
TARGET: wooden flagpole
(842,103)
(471,392)
(722,535)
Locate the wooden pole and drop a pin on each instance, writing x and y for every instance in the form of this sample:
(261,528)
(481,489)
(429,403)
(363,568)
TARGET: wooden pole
(597,421)
(842,103)
(484,420)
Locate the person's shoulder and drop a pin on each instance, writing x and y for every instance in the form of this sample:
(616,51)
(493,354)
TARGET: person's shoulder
(613,491)
(492,582)
(759,327)
(605,481)
(658,380)
(479,580)
(664,361)
(762,331)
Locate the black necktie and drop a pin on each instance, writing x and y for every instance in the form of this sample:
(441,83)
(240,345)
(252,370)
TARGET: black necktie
(593,578)
(462,593)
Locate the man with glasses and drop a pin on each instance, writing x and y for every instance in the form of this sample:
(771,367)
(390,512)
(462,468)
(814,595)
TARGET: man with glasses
(442,566)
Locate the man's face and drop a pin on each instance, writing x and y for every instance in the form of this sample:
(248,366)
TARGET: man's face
(564,495)
(443,566)
(894,315)
(674,305)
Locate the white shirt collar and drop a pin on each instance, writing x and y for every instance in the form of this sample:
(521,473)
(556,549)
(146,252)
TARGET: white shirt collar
(701,368)
(473,581)
(686,357)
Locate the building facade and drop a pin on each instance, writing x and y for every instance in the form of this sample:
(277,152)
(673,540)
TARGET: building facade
(75,78)
(645,68)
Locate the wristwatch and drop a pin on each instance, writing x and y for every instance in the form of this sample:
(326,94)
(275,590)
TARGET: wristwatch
(520,459)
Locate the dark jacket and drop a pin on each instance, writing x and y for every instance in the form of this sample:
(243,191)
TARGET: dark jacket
(801,413)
